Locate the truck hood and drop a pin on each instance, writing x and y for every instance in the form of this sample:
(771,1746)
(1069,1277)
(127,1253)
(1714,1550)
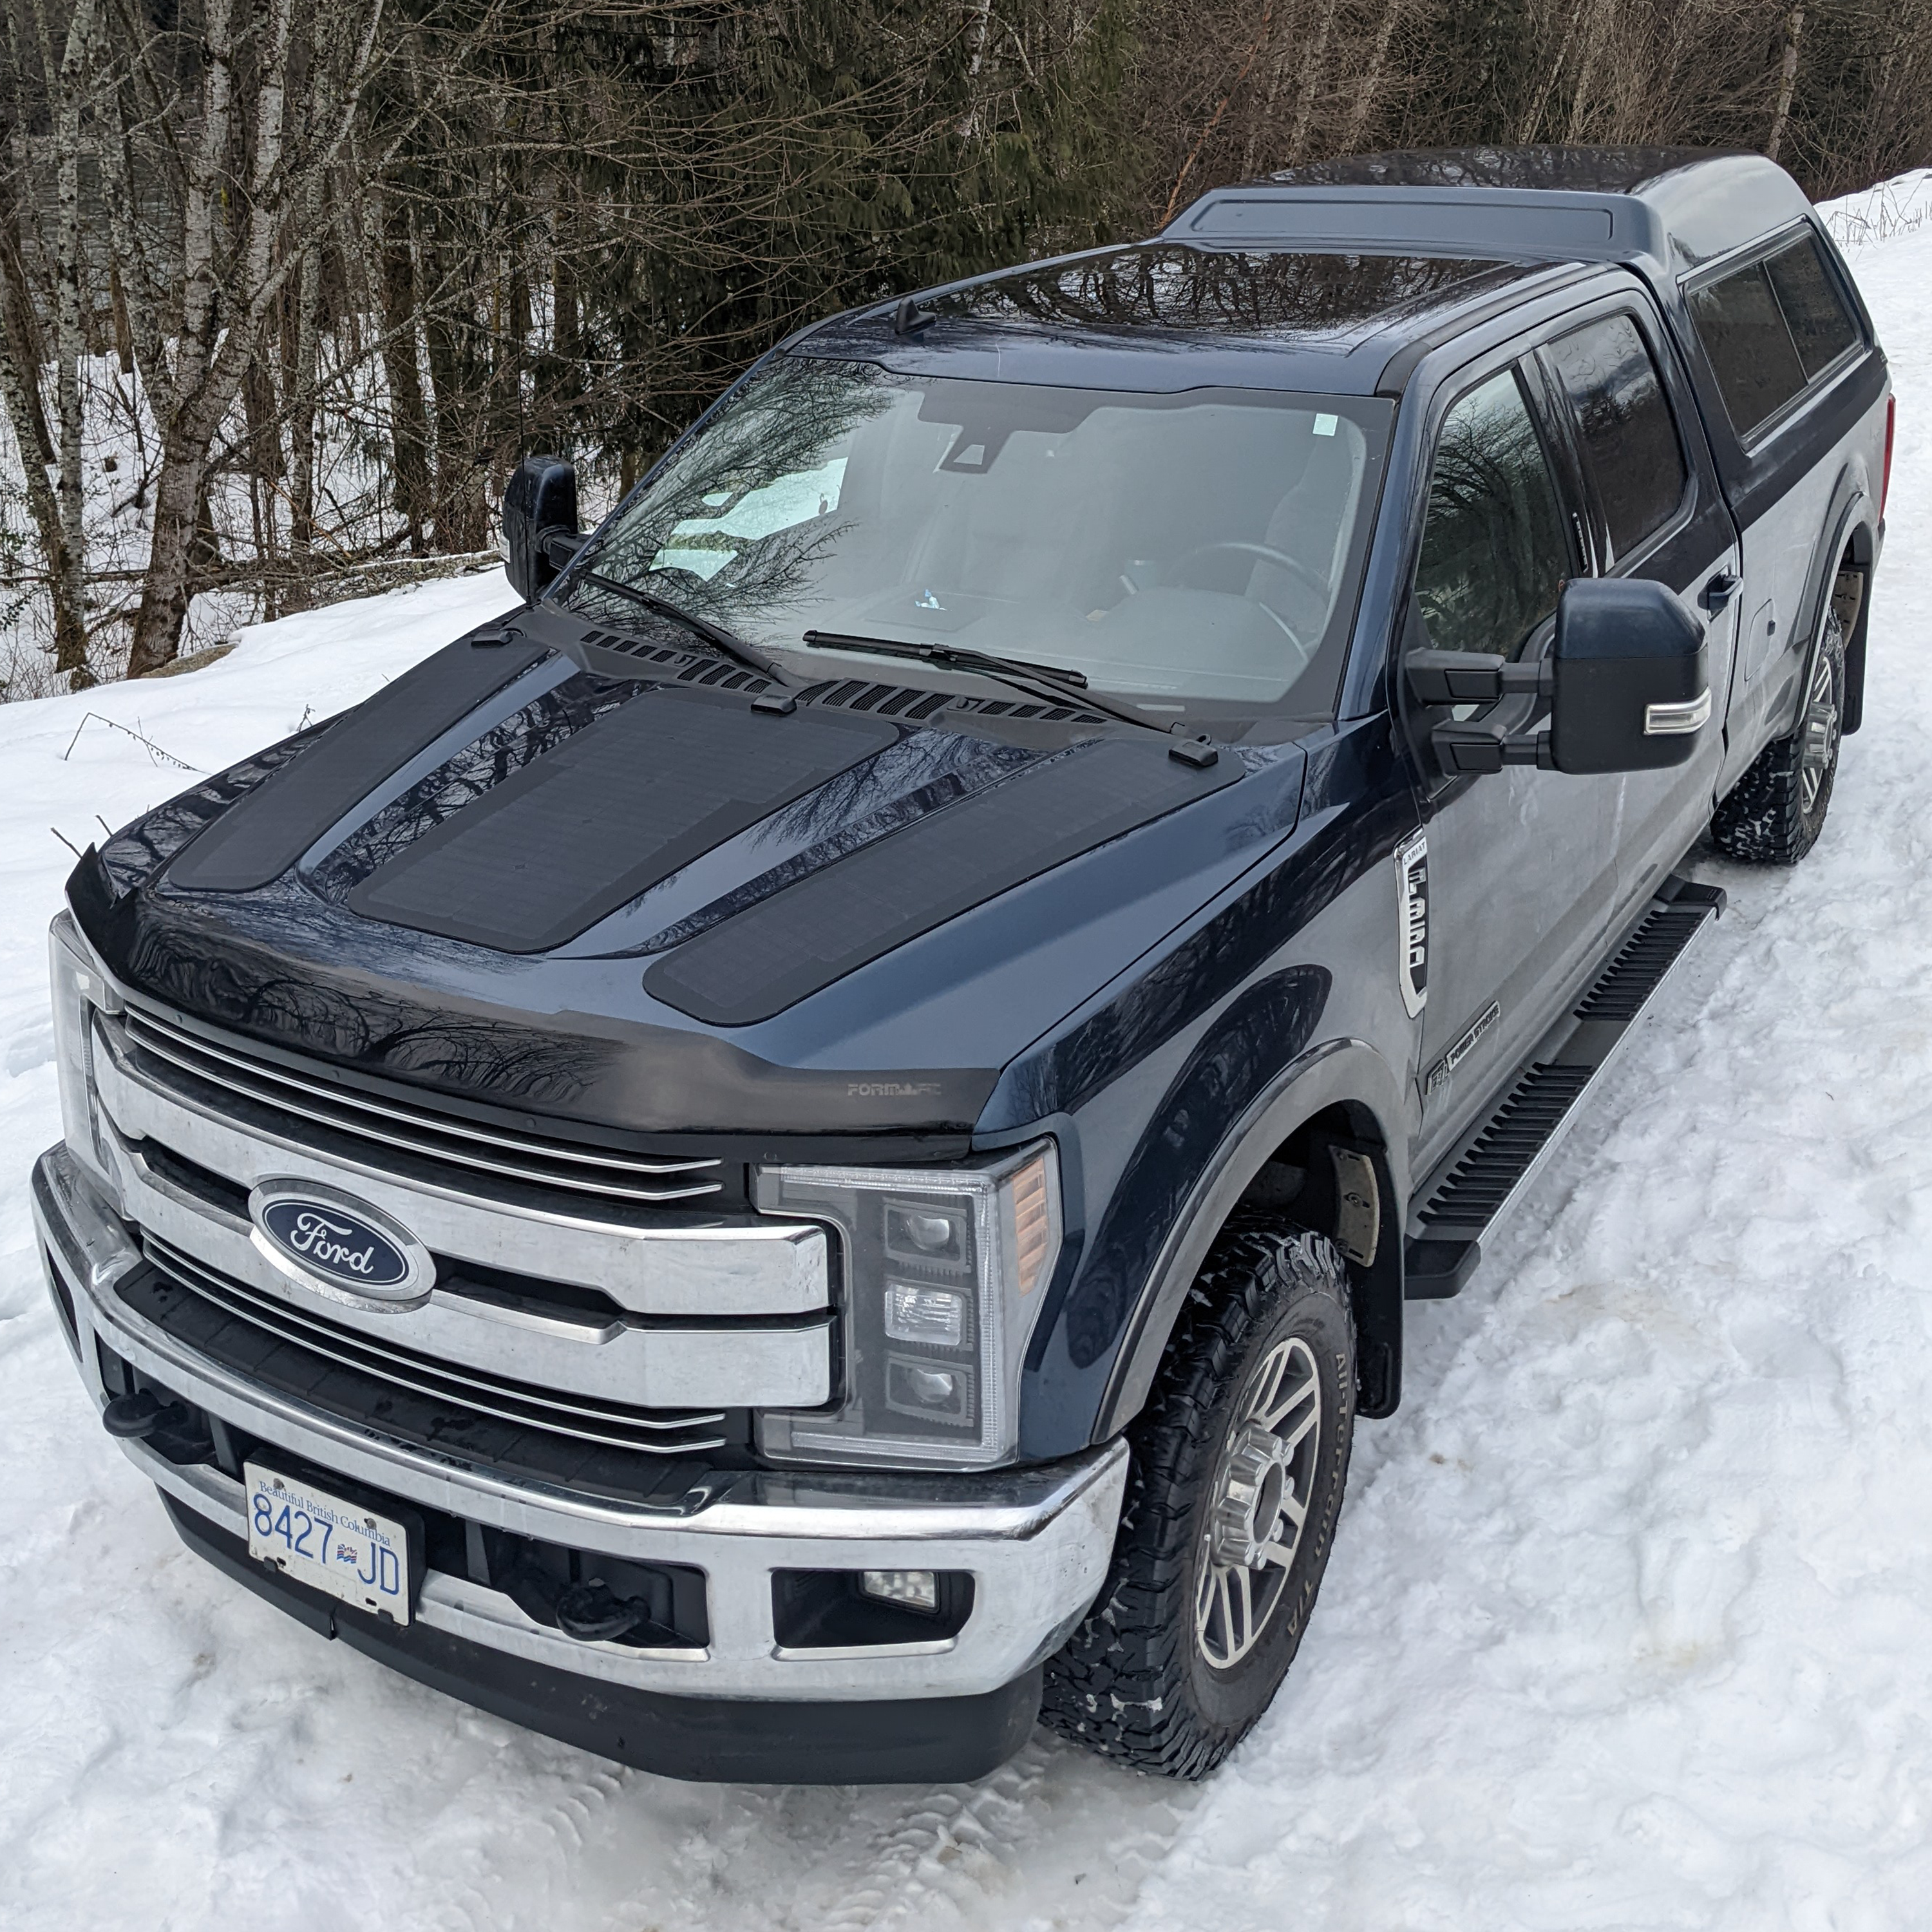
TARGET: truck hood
(575,872)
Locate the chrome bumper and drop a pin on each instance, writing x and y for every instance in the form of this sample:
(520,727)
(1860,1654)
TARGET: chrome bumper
(1036,1541)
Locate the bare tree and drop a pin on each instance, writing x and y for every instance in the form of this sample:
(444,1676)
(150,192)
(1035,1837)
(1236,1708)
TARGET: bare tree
(245,174)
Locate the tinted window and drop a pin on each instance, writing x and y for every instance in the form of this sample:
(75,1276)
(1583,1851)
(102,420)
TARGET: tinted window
(1770,328)
(1743,334)
(1629,439)
(1494,549)
(1821,325)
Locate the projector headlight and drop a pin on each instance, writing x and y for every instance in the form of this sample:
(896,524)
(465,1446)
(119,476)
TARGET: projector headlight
(945,1271)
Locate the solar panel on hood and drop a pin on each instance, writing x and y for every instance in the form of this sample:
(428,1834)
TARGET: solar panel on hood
(623,804)
(264,834)
(840,918)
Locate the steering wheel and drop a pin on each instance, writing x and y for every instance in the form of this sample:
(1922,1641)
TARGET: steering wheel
(1293,566)
(1281,560)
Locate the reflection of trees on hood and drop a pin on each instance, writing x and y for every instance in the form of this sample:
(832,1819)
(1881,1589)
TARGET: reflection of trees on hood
(789,423)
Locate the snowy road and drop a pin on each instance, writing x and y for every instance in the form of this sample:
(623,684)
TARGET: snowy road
(1630,1624)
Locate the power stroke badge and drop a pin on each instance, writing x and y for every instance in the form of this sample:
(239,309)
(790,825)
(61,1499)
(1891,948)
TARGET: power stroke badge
(1411,871)
(343,1247)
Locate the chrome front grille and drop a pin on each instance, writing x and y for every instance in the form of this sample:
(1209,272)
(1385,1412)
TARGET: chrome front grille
(464,1393)
(305,1101)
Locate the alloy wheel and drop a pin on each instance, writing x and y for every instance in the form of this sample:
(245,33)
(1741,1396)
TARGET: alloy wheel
(1819,750)
(1262,1489)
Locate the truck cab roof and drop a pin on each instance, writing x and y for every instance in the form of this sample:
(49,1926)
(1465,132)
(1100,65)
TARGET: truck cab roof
(1169,315)
(1318,277)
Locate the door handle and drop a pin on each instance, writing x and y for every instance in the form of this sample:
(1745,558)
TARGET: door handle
(1718,592)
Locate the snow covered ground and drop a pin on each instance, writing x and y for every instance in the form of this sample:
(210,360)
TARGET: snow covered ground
(1630,1624)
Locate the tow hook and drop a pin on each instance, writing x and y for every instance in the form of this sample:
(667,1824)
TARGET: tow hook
(593,1612)
(137,1417)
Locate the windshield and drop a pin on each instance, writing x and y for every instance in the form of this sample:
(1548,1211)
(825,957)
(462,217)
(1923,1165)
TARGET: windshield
(1192,551)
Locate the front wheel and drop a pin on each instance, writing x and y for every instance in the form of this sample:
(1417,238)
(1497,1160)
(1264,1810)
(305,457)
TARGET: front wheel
(1776,813)
(1239,1460)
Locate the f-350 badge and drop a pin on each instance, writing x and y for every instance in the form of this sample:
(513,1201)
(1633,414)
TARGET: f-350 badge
(1412,872)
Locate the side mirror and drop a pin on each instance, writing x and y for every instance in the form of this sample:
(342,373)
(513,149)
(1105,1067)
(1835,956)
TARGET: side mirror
(539,510)
(1631,690)
(1625,677)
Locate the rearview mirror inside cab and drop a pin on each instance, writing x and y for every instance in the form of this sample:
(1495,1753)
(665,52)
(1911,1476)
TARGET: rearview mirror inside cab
(1625,677)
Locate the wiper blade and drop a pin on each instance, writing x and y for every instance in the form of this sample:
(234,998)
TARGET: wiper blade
(716,635)
(1038,680)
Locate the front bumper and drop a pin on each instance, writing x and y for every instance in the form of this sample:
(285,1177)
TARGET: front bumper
(1037,1542)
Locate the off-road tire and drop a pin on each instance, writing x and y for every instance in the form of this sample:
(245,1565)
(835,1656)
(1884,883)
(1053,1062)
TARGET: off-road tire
(1133,1682)
(1775,815)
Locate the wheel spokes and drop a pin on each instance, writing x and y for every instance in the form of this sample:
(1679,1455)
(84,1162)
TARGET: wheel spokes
(1266,1488)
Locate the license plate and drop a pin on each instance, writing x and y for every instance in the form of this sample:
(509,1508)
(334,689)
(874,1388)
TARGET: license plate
(319,1539)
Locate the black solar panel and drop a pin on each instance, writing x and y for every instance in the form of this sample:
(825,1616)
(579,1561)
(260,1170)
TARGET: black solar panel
(267,831)
(625,802)
(837,919)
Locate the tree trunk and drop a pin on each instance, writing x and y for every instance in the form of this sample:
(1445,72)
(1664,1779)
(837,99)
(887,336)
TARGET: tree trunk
(1787,81)
(408,429)
(19,390)
(71,651)
(1363,104)
(168,585)
(1313,62)
(461,405)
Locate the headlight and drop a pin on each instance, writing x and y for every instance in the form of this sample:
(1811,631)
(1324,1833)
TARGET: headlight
(945,1272)
(80,985)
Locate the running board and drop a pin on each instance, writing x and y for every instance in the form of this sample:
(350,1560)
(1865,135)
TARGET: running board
(1489,1171)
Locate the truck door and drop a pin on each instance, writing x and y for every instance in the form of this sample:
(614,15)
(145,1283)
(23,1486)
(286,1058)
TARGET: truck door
(1521,863)
(1655,511)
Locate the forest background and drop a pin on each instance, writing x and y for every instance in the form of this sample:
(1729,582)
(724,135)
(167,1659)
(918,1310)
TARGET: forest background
(286,291)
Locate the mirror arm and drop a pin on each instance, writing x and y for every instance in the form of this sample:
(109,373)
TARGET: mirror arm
(1475,677)
(1463,749)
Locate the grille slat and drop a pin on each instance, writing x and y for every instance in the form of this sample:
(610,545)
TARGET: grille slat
(546,1163)
(577,1418)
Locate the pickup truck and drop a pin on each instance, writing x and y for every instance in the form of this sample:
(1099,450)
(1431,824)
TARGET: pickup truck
(804,1153)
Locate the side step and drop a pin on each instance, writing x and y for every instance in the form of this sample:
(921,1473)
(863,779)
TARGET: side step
(1487,1173)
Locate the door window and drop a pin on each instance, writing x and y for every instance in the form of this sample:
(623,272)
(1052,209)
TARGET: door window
(1494,544)
(1770,328)
(1629,436)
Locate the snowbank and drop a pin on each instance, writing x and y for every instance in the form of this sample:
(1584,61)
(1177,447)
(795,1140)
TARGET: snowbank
(1630,1620)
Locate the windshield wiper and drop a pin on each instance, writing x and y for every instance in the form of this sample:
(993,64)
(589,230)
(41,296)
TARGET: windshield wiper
(1038,680)
(716,635)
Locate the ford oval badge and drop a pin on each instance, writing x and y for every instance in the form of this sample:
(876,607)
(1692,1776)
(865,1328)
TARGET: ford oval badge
(329,1240)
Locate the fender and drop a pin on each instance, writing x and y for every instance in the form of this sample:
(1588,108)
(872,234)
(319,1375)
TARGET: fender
(1850,513)
(1864,543)
(1346,1072)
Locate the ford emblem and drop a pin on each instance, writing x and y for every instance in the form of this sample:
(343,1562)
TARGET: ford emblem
(329,1240)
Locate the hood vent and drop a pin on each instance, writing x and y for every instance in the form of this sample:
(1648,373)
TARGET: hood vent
(899,700)
(685,666)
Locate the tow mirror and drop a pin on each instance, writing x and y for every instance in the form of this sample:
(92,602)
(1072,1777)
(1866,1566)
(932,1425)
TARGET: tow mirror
(540,532)
(1625,677)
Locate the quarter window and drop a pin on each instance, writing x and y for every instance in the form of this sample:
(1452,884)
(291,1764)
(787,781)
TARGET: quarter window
(1770,328)
(1629,437)
(1495,550)
(1821,326)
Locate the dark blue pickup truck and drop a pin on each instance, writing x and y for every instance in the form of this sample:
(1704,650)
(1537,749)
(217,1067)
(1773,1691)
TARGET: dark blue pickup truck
(805,1150)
